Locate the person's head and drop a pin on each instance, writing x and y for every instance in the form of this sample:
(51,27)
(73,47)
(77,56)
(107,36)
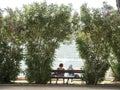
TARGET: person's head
(60,65)
(70,66)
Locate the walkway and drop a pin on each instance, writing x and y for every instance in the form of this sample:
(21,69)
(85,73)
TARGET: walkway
(57,87)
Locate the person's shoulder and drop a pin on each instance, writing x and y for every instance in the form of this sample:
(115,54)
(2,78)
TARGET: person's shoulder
(63,69)
(58,68)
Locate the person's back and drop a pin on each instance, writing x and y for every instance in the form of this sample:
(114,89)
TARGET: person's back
(60,70)
(70,68)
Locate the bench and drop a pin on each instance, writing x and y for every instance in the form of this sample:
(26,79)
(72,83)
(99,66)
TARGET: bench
(57,77)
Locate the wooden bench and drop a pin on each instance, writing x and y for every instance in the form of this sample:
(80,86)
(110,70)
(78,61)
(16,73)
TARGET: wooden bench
(57,77)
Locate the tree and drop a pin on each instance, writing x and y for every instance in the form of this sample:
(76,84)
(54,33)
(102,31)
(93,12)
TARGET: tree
(113,20)
(118,5)
(93,43)
(10,51)
(46,27)
(115,44)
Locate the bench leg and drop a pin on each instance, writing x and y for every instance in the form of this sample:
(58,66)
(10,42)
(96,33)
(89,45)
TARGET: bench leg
(56,80)
(63,80)
(50,80)
(67,81)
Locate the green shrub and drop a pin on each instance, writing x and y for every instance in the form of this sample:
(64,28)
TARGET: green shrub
(10,57)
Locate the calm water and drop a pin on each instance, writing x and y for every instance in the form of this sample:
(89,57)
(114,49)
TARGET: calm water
(76,62)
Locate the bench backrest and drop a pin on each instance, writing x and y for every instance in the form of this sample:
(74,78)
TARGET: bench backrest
(68,71)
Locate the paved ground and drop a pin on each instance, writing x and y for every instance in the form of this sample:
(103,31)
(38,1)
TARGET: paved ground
(58,87)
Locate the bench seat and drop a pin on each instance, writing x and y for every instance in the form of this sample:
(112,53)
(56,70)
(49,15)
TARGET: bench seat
(76,76)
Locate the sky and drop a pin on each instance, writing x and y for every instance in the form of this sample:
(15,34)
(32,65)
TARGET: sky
(76,3)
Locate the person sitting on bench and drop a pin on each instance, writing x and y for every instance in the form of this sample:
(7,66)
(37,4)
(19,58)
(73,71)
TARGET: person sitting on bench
(70,68)
(60,72)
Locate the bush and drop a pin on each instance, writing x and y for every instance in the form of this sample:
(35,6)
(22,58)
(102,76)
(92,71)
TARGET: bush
(10,57)
(93,74)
